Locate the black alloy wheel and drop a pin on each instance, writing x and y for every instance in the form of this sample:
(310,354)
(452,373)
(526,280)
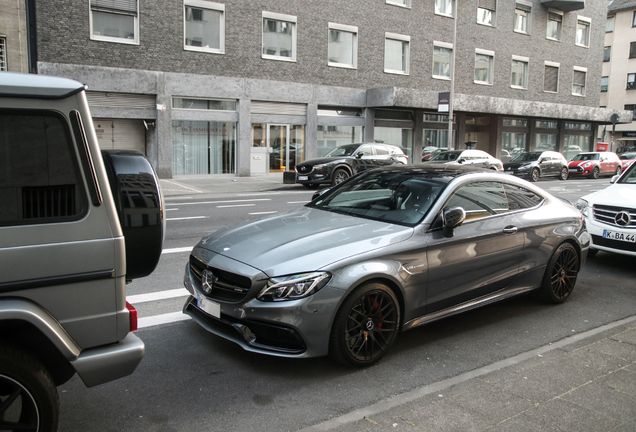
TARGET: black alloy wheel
(565,173)
(535,175)
(366,326)
(28,397)
(339,176)
(619,169)
(560,274)
(595,173)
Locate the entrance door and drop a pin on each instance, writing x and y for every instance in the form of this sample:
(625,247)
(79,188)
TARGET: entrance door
(276,147)
(278,143)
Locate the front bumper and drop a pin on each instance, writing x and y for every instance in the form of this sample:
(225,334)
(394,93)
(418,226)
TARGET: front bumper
(313,178)
(598,233)
(580,171)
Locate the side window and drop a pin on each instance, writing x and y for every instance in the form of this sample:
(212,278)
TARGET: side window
(520,198)
(366,150)
(39,175)
(381,150)
(480,200)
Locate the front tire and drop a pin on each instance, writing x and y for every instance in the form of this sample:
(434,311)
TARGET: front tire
(565,173)
(595,173)
(28,397)
(619,169)
(366,326)
(535,175)
(339,176)
(560,274)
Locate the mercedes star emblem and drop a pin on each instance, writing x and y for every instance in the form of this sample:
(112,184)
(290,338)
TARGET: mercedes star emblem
(622,218)
(207,281)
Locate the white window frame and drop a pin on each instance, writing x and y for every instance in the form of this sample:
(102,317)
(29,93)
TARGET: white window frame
(525,60)
(609,24)
(285,18)
(346,29)
(579,69)
(401,38)
(556,65)
(446,45)
(134,41)
(437,12)
(556,12)
(494,16)
(588,21)
(528,17)
(203,4)
(405,4)
(491,69)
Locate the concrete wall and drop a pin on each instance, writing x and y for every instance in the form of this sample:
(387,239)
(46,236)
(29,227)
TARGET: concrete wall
(13,28)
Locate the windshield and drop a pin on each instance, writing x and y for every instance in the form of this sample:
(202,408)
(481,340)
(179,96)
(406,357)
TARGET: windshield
(586,157)
(629,177)
(627,156)
(346,150)
(395,197)
(527,157)
(445,156)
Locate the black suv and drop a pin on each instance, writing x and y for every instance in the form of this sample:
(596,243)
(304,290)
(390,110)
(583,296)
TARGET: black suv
(534,165)
(344,161)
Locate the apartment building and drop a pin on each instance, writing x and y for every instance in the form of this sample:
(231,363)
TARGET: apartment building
(247,88)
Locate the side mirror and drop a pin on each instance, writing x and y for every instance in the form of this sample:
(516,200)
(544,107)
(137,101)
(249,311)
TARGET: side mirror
(540,161)
(359,155)
(319,193)
(460,160)
(452,218)
(614,178)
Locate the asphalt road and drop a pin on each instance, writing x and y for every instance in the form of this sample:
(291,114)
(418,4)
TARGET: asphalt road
(191,380)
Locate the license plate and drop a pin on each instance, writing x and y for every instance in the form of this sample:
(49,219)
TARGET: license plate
(573,169)
(612,235)
(301,178)
(209,306)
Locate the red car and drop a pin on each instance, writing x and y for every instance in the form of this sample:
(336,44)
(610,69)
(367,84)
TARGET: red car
(627,159)
(595,164)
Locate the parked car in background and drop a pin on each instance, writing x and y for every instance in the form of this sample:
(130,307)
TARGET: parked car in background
(611,215)
(429,152)
(387,251)
(506,156)
(534,165)
(627,159)
(625,149)
(595,164)
(477,158)
(344,161)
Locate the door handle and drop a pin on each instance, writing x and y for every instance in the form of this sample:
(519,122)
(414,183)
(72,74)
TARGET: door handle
(510,230)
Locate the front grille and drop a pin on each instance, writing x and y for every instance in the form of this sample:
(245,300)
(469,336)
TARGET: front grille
(614,244)
(576,168)
(304,169)
(229,287)
(607,215)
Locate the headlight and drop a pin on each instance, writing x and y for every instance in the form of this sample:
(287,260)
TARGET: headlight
(319,167)
(524,167)
(582,205)
(587,164)
(293,287)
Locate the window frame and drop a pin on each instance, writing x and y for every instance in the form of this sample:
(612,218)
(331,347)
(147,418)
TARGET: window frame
(524,5)
(547,64)
(607,53)
(606,78)
(346,29)
(447,46)
(404,39)
(560,25)
(437,12)
(526,61)
(579,69)
(634,20)
(102,38)
(406,4)
(609,28)
(491,66)
(213,6)
(632,50)
(4,66)
(492,11)
(274,16)
(588,23)
(627,86)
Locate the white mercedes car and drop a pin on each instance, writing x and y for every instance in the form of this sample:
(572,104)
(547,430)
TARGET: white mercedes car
(611,215)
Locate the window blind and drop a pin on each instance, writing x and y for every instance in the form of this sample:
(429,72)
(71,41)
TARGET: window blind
(128,7)
(551,79)
(579,78)
(488,4)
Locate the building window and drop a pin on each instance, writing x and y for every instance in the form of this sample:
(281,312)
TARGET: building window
(444,7)
(330,137)
(578,81)
(279,36)
(442,53)
(553,31)
(583,32)
(115,21)
(631,81)
(604,83)
(609,24)
(632,49)
(204,26)
(519,75)
(484,63)
(607,53)
(486,12)
(204,104)
(3,54)
(522,17)
(201,147)
(633,109)
(396,53)
(403,3)
(343,45)
(634,20)
(551,77)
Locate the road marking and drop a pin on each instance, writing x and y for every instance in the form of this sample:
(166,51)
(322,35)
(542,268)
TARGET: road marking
(156,320)
(219,202)
(184,186)
(177,250)
(237,205)
(186,218)
(158,295)
(262,213)
(172,209)
(297,202)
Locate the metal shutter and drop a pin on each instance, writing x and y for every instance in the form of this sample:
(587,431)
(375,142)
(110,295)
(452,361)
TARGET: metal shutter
(554,17)
(128,7)
(488,4)
(523,7)
(120,100)
(551,79)
(121,134)
(579,78)
(280,108)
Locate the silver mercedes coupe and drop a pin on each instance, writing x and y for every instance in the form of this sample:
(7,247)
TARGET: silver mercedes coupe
(386,251)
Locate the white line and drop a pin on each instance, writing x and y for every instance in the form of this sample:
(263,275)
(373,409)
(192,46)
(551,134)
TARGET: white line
(177,250)
(186,218)
(172,209)
(238,205)
(156,320)
(297,202)
(157,295)
(219,202)
(184,186)
(262,213)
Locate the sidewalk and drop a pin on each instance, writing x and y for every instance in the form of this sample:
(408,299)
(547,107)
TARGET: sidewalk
(224,184)
(585,383)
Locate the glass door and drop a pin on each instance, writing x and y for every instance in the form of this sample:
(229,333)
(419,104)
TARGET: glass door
(278,143)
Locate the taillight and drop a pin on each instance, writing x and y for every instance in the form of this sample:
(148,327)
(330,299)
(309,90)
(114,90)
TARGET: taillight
(132,316)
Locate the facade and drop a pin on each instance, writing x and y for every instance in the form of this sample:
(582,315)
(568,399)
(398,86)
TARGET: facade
(618,82)
(247,88)
(13,36)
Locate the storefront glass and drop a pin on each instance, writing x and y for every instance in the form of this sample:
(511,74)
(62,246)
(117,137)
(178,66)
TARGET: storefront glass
(575,144)
(514,143)
(330,137)
(397,136)
(200,147)
(545,142)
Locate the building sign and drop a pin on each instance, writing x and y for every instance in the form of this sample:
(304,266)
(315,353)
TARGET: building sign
(443,102)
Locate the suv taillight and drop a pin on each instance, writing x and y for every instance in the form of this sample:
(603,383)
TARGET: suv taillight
(132,314)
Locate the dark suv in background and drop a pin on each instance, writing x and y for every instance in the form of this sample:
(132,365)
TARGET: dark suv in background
(534,165)
(344,161)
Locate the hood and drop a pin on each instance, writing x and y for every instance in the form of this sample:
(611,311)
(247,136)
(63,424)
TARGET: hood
(303,240)
(515,165)
(579,163)
(617,195)
(323,160)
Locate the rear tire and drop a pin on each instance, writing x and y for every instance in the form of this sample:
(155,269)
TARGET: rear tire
(28,395)
(565,173)
(560,274)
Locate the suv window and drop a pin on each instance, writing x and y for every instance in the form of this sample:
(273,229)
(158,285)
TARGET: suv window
(381,150)
(39,175)
(366,150)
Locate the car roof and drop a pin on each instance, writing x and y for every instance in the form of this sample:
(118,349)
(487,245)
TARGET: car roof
(439,171)
(37,86)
